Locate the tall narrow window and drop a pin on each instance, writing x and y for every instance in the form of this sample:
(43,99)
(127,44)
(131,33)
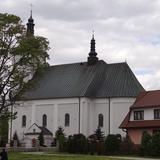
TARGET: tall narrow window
(67,119)
(24,121)
(44,120)
(100,120)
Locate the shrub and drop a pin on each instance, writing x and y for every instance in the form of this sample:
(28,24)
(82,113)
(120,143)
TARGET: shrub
(60,137)
(77,144)
(60,131)
(146,142)
(15,138)
(62,143)
(99,134)
(41,139)
(155,146)
(126,146)
(112,143)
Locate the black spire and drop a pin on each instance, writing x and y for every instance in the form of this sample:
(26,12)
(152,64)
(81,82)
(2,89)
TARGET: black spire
(30,25)
(92,59)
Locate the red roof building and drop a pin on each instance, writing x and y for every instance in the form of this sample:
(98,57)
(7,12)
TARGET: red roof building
(144,115)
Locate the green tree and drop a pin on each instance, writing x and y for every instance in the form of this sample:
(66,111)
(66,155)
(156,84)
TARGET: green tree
(146,142)
(21,58)
(59,132)
(155,146)
(3,131)
(61,139)
(99,134)
(41,139)
(15,139)
(112,143)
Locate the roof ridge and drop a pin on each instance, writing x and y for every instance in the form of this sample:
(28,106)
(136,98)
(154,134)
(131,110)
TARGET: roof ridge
(84,62)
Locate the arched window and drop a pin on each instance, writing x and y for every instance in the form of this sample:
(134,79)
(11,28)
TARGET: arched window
(24,121)
(100,120)
(67,119)
(44,120)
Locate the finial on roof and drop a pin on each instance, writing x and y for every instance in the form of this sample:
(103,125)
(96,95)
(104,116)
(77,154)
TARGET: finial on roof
(31,11)
(30,24)
(93,34)
(92,59)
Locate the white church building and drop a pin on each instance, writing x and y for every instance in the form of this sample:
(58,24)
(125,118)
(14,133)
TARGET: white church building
(78,97)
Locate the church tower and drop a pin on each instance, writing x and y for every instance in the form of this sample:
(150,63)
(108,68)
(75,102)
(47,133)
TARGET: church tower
(92,59)
(30,25)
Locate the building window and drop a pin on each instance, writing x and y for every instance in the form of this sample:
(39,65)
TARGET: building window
(67,119)
(44,120)
(138,115)
(24,121)
(100,120)
(156,131)
(156,113)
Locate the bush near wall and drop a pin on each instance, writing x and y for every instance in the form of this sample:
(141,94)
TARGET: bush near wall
(150,145)
(127,147)
(112,144)
(77,144)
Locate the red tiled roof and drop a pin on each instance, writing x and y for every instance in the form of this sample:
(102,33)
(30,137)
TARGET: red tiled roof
(144,100)
(141,124)
(125,121)
(147,99)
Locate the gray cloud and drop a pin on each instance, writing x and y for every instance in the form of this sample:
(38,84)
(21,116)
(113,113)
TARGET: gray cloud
(125,30)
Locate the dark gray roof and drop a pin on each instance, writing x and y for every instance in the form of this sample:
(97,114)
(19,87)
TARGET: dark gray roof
(83,80)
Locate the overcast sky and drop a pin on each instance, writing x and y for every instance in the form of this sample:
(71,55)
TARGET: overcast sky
(125,30)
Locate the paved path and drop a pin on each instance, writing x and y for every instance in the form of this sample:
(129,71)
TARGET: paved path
(68,155)
(133,158)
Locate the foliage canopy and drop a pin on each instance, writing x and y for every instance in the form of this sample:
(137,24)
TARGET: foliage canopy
(21,57)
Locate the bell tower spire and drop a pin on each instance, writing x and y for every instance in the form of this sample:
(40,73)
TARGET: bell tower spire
(92,59)
(30,24)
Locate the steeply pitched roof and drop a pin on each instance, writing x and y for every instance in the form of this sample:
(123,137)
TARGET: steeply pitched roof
(83,80)
(147,99)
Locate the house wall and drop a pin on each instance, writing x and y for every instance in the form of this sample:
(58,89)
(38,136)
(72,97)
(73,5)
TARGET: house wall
(136,134)
(83,114)
(23,109)
(148,114)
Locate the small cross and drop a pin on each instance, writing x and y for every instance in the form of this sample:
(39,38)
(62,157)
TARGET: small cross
(92,33)
(31,8)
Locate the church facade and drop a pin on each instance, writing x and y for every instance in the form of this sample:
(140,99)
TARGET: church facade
(78,97)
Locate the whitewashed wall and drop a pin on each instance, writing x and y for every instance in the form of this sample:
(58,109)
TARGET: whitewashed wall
(148,113)
(118,110)
(55,109)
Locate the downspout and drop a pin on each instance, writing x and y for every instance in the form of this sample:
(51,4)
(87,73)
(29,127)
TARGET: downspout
(79,120)
(109,117)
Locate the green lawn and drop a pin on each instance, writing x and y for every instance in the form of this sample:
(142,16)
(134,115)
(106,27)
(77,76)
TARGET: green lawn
(32,156)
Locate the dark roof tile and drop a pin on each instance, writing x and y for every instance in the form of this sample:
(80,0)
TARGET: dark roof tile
(83,80)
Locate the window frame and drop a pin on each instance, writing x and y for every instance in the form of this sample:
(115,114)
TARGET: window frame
(138,115)
(100,120)
(44,120)
(24,121)
(156,115)
(67,120)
